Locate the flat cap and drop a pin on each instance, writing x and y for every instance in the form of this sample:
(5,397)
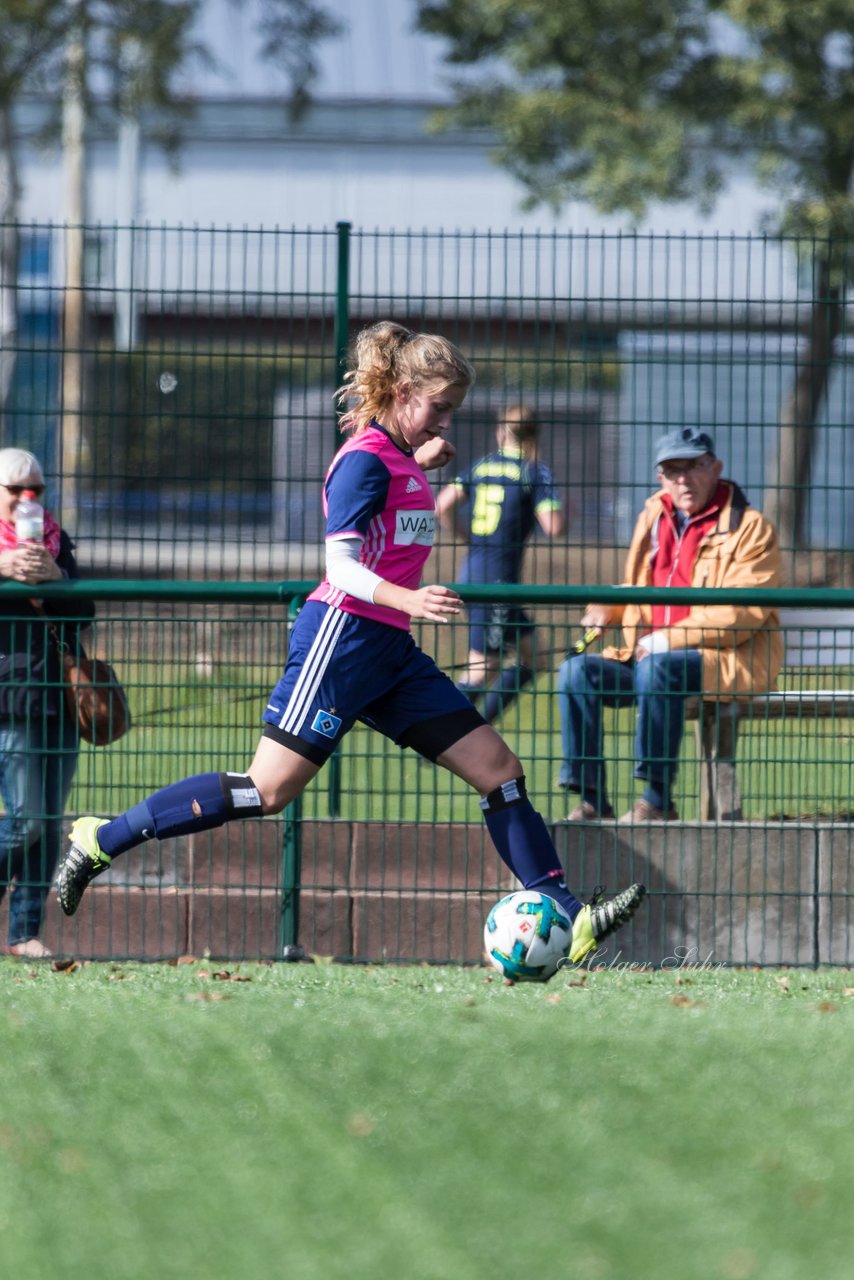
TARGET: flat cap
(686,442)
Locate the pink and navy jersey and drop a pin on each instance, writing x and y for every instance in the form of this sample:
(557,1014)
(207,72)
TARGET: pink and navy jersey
(376,490)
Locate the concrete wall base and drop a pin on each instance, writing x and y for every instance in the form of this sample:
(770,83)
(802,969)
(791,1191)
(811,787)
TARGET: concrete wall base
(732,893)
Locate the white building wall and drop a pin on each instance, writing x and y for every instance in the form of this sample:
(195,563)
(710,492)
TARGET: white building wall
(364,153)
(316,184)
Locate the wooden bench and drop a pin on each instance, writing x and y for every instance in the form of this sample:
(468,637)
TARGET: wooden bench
(814,638)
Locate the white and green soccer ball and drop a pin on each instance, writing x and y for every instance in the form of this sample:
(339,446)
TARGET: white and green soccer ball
(527,936)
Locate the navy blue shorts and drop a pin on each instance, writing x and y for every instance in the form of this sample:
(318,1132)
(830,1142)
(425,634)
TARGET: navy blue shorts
(495,627)
(342,668)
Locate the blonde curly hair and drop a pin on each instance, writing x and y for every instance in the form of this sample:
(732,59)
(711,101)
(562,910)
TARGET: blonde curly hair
(387,354)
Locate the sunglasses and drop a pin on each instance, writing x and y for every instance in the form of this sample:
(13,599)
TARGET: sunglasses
(17,489)
(673,470)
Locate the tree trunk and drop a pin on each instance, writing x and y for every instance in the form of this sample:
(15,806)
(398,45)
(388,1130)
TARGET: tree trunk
(789,475)
(74,300)
(127,196)
(9,195)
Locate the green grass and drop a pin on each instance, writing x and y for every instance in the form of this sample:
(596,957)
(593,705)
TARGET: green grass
(316,1122)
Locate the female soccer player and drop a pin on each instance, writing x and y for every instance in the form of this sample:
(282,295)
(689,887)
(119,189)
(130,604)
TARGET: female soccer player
(352,656)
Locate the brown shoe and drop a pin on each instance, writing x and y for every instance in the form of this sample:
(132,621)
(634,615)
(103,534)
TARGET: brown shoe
(643,811)
(585,812)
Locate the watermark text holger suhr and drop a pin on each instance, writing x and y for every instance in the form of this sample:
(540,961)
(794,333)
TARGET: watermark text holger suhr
(680,958)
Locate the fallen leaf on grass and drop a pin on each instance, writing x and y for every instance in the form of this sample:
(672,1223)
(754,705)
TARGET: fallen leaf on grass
(808,1196)
(71,1161)
(685,1002)
(827,1006)
(207,995)
(64,966)
(739,1264)
(224,975)
(361,1125)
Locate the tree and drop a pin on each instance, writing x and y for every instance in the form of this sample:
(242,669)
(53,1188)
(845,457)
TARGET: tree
(75,53)
(626,102)
(31,29)
(290,31)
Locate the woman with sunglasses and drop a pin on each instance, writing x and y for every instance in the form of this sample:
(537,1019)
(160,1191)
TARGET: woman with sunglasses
(38,741)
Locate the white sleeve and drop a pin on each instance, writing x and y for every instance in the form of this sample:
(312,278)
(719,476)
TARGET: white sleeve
(655,642)
(344,571)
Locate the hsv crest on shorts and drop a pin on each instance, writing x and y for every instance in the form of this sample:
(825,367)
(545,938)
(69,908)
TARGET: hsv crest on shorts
(326,723)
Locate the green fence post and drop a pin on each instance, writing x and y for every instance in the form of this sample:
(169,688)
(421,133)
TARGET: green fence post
(291,876)
(342,302)
(342,341)
(291,857)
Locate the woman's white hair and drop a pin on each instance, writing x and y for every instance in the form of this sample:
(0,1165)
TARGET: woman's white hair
(17,466)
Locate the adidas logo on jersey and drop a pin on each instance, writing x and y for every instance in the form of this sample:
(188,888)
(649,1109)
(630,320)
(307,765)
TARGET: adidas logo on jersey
(412,485)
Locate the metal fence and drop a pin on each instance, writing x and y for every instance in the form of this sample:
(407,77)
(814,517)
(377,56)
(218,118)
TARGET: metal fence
(386,857)
(189,435)
(188,442)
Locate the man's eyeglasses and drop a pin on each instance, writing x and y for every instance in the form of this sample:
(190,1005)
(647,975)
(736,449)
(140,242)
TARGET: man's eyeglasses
(684,466)
(17,489)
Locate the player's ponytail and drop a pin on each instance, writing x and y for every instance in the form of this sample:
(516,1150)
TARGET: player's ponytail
(386,354)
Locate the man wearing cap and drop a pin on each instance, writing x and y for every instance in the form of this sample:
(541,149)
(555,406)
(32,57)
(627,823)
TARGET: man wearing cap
(699,530)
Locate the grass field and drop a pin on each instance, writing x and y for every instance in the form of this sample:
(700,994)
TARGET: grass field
(318,1122)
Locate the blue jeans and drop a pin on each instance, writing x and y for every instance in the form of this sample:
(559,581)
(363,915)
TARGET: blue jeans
(658,685)
(37,763)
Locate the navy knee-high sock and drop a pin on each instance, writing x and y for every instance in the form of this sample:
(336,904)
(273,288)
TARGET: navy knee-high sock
(199,803)
(522,839)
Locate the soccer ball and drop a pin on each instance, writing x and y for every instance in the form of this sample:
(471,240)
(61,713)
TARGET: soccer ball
(526,936)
